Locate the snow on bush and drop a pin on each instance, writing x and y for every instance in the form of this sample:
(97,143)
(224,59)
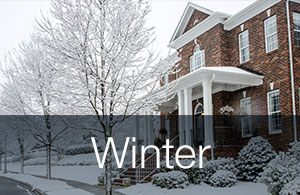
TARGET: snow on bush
(171,180)
(254,157)
(291,188)
(212,166)
(222,178)
(282,171)
(194,174)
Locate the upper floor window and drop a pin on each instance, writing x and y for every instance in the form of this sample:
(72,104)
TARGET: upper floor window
(197,60)
(296,21)
(244,46)
(274,111)
(271,34)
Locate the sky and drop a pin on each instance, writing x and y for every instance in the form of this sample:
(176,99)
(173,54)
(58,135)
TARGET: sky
(17,18)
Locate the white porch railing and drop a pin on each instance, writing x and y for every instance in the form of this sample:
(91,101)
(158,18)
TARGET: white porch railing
(150,165)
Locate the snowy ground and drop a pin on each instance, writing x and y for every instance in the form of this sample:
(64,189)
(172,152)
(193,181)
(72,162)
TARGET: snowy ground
(85,174)
(240,188)
(51,187)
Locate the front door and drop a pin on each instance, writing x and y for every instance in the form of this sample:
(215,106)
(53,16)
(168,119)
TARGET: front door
(198,134)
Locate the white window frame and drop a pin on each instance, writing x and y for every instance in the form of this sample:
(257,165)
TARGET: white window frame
(296,15)
(270,113)
(245,47)
(166,79)
(247,118)
(267,36)
(193,59)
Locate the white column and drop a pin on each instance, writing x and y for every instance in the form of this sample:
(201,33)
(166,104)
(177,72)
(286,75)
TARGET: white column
(208,112)
(188,115)
(180,117)
(146,117)
(137,132)
(150,129)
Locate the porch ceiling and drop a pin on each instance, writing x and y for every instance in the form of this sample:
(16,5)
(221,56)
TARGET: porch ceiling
(222,78)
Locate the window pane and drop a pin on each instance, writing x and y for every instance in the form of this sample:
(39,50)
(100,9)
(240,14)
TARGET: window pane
(192,66)
(296,21)
(271,34)
(246,121)
(198,60)
(244,46)
(297,38)
(274,111)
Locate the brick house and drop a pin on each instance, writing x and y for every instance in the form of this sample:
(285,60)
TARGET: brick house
(248,63)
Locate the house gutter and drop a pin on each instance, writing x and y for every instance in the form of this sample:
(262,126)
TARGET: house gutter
(291,69)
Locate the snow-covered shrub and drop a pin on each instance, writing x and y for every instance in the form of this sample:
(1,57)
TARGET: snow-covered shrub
(253,158)
(291,188)
(222,178)
(295,150)
(194,174)
(282,171)
(171,180)
(212,166)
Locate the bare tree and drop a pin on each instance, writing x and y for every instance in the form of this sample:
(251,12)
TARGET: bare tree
(106,44)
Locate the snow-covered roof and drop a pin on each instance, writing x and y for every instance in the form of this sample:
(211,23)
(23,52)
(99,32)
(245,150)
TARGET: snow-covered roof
(223,75)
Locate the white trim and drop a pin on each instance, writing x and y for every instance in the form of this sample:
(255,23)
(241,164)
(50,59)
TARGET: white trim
(271,131)
(270,35)
(247,46)
(196,107)
(186,17)
(249,12)
(199,29)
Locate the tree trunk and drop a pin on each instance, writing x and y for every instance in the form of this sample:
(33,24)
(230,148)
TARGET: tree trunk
(108,168)
(0,162)
(22,162)
(5,155)
(48,161)
(22,157)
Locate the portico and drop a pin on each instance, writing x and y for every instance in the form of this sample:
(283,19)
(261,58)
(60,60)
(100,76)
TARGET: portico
(203,83)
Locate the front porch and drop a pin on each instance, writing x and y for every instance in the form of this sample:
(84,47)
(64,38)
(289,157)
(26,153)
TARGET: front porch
(201,85)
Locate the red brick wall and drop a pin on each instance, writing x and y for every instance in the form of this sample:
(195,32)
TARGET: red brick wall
(221,49)
(196,15)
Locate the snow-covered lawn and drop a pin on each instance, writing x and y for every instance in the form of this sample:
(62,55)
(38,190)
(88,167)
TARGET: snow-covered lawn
(85,174)
(51,187)
(240,188)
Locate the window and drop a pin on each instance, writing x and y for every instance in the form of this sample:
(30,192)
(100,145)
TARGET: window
(197,60)
(296,21)
(274,112)
(271,34)
(244,47)
(246,121)
(166,79)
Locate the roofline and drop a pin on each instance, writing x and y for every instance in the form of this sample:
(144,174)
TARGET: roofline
(248,12)
(194,6)
(199,29)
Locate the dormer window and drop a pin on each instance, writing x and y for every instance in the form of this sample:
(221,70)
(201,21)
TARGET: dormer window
(197,60)
(195,22)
